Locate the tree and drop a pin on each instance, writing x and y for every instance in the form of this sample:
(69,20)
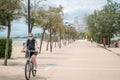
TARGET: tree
(56,23)
(10,10)
(103,24)
(46,20)
(43,21)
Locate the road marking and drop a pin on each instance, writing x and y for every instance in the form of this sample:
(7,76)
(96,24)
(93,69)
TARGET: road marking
(82,68)
(47,68)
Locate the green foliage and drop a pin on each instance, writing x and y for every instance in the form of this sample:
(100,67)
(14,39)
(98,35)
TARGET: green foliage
(2,47)
(81,35)
(104,22)
(3,19)
(73,32)
(55,39)
(9,10)
(2,28)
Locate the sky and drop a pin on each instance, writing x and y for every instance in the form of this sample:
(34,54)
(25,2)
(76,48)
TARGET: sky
(71,9)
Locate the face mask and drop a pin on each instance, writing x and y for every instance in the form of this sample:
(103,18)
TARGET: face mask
(30,38)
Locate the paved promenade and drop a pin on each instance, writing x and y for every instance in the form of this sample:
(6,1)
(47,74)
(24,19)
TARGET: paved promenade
(78,61)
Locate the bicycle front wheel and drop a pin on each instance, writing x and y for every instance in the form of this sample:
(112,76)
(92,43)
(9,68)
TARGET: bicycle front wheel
(27,70)
(33,71)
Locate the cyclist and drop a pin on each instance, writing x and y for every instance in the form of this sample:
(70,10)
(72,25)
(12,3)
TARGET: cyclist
(31,44)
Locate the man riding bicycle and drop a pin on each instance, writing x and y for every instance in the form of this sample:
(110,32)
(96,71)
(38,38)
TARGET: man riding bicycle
(31,44)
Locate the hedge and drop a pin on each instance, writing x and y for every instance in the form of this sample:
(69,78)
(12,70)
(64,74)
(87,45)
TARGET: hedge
(2,47)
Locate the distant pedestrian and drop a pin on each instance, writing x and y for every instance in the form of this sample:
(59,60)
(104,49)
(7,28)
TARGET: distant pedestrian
(91,39)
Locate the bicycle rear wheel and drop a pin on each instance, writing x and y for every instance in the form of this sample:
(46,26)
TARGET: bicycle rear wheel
(27,70)
(33,71)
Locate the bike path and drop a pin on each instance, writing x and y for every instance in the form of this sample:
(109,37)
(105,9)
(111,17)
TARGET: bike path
(78,61)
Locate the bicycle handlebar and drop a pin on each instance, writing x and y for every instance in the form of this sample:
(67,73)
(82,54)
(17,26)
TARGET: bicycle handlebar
(31,50)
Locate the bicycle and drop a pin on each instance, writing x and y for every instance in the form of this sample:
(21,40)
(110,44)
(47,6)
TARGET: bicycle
(29,66)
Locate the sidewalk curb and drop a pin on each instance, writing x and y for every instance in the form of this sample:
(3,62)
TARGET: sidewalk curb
(108,49)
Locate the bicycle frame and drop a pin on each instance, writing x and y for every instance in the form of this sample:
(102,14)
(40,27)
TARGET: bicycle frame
(29,66)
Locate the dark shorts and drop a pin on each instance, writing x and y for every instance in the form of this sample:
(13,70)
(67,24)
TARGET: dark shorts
(31,54)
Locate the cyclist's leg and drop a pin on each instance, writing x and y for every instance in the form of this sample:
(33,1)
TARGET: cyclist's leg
(33,56)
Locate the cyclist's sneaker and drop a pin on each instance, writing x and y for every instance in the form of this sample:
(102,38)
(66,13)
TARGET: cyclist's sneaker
(35,69)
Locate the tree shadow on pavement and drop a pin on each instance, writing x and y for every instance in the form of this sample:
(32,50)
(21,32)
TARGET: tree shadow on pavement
(17,64)
(38,78)
(17,77)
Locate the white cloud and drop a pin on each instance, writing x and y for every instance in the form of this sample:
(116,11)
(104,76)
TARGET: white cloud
(71,8)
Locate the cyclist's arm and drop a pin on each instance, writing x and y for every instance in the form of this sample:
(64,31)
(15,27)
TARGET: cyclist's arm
(24,47)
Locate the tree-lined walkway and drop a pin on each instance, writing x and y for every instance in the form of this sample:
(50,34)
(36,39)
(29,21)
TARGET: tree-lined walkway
(78,61)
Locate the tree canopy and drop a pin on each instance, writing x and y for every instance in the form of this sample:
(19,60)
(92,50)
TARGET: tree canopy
(104,23)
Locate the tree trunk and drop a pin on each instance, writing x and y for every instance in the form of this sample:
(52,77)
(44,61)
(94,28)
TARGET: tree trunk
(109,41)
(42,40)
(47,44)
(7,43)
(50,40)
(68,40)
(68,36)
(60,36)
(65,39)
(104,40)
(55,39)
(55,43)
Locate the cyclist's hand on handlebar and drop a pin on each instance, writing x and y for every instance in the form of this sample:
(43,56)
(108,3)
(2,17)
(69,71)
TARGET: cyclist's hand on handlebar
(23,51)
(36,50)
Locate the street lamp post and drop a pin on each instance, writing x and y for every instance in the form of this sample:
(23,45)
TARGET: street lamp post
(69,34)
(65,35)
(66,23)
(29,16)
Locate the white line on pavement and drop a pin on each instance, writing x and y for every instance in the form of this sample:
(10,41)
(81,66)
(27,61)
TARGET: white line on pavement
(83,68)
(47,68)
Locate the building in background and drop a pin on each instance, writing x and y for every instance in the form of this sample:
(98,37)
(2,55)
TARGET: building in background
(79,24)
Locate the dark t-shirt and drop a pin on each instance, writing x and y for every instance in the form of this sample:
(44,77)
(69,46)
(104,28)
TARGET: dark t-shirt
(31,44)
